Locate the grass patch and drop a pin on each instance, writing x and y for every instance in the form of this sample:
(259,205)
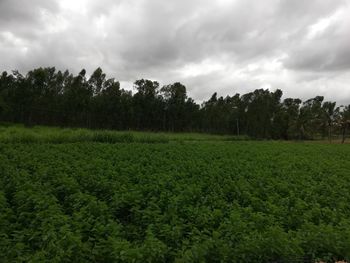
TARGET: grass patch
(41,134)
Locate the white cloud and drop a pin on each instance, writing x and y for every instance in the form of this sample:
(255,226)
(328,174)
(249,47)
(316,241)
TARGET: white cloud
(205,67)
(322,24)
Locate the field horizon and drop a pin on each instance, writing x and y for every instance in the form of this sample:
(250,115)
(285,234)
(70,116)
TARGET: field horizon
(18,132)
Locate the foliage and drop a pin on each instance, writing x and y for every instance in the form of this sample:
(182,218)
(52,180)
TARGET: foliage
(45,96)
(10,133)
(182,201)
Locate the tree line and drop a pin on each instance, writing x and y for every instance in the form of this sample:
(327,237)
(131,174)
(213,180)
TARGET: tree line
(49,97)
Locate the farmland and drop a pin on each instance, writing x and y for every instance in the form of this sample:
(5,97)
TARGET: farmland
(79,196)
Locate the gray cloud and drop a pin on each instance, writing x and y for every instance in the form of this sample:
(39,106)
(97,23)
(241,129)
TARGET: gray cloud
(226,45)
(326,48)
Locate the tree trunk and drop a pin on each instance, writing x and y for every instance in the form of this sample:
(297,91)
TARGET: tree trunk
(344,132)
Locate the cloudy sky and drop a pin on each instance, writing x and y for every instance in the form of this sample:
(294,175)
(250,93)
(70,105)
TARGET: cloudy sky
(228,46)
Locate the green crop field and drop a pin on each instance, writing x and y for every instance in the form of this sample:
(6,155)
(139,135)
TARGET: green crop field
(100,196)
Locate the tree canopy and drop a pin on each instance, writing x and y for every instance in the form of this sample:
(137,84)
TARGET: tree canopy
(50,97)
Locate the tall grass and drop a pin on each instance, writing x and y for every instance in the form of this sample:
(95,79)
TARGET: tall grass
(40,134)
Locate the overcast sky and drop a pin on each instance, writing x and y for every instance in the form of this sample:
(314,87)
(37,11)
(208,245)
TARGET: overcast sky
(228,46)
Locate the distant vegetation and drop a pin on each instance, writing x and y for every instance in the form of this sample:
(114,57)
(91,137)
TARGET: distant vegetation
(38,134)
(48,97)
(69,195)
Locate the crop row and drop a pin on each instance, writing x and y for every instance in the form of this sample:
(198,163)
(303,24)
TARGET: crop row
(183,202)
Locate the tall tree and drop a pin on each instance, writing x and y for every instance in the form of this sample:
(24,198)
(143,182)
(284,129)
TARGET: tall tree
(175,97)
(96,81)
(148,109)
(345,121)
(260,107)
(330,113)
(77,98)
(310,118)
